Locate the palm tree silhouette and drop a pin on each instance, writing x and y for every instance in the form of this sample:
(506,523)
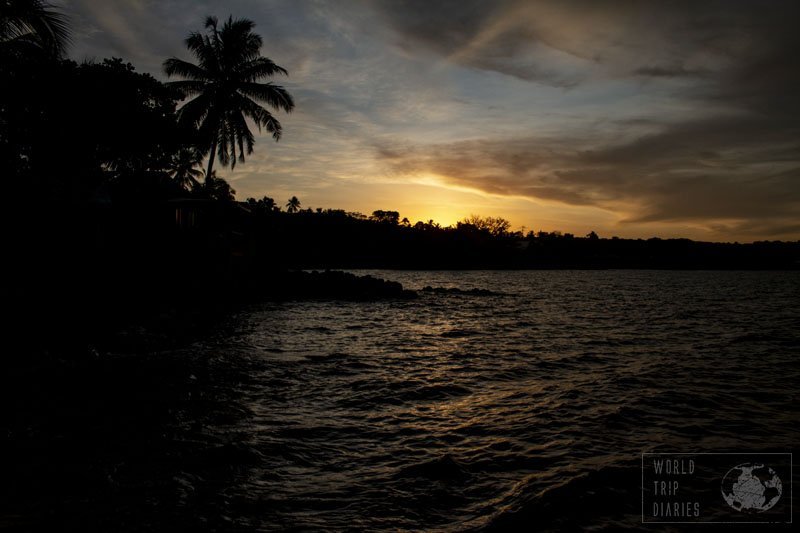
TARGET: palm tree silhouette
(293,205)
(33,23)
(184,168)
(269,204)
(225,85)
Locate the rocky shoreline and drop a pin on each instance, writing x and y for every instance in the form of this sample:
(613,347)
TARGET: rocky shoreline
(329,285)
(138,323)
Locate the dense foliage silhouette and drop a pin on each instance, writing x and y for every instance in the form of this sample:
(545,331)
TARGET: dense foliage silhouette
(333,238)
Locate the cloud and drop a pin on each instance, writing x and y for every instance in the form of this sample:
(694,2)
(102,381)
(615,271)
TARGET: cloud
(736,168)
(659,71)
(494,36)
(574,41)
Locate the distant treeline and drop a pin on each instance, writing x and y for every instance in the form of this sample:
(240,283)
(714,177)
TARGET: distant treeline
(338,239)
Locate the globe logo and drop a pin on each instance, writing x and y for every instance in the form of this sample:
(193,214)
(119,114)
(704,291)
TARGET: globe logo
(751,488)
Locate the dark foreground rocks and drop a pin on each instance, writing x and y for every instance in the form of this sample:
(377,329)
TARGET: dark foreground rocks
(329,285)
(143,314)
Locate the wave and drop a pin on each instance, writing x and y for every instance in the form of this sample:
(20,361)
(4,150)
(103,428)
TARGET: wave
(443,468)
(610,496)
(454,290)
(404,392)
(458,333)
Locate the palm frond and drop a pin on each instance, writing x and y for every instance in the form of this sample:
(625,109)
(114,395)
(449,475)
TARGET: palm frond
(212,39)
(274,95)
(203,49)
(245,137)
(223,144)
(178,67)
(188,87)
(261,117)
(238,43)
(260,67)
(40,21)
(240,32)
(196,111)
(273,125)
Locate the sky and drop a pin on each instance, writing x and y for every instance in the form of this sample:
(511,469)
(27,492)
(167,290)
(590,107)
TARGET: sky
(630,118)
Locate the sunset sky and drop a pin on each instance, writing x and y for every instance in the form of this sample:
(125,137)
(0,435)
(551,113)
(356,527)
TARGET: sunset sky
(630,118)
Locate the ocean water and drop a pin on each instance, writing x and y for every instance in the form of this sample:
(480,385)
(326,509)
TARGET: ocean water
(527,408)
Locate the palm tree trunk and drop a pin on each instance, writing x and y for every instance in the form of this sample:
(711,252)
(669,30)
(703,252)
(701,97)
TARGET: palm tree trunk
(211,159)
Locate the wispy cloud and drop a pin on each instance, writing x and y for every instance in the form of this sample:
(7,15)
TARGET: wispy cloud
(737,168)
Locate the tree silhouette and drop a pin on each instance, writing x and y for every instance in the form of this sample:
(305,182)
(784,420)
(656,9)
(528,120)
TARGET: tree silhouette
(184,168)
(387,217)
(217,188)
(225,85)
(495,226)
(269,203)
(33,23)
(293,205)
(67,129)
(265,205)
